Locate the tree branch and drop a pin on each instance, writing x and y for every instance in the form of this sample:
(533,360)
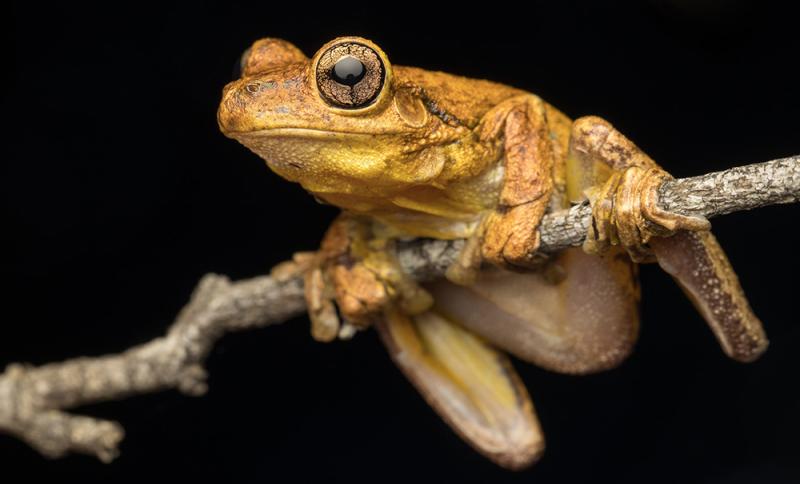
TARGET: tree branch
(32,399)
(719,193)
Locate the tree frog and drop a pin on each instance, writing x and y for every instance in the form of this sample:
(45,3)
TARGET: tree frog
(409,153)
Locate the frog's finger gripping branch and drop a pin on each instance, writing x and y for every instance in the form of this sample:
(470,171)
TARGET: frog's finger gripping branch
(625,207)
(359,272)
(720,193)
(32,399)
(626,213)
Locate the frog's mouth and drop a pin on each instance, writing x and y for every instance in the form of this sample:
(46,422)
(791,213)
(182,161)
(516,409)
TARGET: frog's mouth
(328,161)
(290,132)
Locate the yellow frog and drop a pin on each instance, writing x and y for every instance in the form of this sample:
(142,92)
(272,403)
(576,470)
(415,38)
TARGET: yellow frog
(412,153)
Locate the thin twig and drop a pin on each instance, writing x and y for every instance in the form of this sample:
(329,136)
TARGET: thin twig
(32,399)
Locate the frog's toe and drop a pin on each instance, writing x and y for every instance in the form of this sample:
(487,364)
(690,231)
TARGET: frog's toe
(321,311)
(360,294)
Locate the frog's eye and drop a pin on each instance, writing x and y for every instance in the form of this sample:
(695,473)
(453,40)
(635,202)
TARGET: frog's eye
(239,67)
(350,75)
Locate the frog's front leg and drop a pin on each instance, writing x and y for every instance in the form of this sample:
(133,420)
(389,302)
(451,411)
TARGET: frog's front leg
(510,233)
(508,236)
(625,212)
(356,269)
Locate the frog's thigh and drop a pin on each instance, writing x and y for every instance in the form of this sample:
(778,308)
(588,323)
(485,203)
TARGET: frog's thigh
(585,323)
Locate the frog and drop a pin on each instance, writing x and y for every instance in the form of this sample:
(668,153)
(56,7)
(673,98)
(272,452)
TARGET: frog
(409,153)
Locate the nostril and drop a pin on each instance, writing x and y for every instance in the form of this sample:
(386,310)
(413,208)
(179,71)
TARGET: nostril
(257,85)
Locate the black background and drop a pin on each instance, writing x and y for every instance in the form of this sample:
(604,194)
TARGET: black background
(119,193)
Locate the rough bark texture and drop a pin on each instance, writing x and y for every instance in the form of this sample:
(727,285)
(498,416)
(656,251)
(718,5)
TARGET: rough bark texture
(32,399)
(719,193)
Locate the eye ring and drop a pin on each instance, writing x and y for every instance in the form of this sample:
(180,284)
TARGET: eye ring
(350,75)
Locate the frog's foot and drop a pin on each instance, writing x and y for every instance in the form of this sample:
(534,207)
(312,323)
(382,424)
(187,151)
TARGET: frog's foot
(507,238)
(625,212)
(325,325)
(511,237)
(362,278)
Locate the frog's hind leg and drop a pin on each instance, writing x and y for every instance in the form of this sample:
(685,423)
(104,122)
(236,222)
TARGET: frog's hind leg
(470,384)
(625,213)
(700,267)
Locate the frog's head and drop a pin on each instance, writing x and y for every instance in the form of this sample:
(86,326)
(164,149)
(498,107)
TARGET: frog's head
(341,121)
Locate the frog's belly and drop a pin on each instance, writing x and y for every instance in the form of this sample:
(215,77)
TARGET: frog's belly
(417,224)
(417,213)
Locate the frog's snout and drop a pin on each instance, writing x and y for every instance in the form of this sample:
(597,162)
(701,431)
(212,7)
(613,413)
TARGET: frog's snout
(237,112)
(230,109)
(271,99)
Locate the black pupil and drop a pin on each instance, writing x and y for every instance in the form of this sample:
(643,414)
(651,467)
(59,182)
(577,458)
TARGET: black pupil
(348,71)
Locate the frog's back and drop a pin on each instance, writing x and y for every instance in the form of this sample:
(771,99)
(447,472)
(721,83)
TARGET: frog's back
(464,100)
(453,212)
(458,99)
